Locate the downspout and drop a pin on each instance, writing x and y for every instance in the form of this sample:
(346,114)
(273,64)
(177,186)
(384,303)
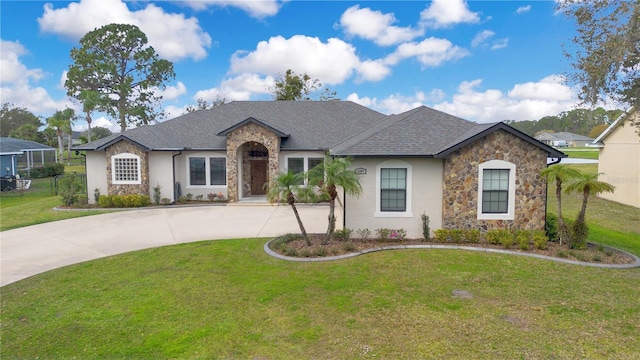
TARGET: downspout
(173,165)
(344,209)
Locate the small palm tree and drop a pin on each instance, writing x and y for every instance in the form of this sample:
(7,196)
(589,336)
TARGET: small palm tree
(587,184)
(283,187)
(60,122)
(560,173)
(329,175)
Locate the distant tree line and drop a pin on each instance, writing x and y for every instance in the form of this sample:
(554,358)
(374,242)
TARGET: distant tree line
(578,121)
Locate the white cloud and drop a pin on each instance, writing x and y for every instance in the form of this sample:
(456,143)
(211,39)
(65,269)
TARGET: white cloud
(241,87)
(444,13)
(172,92)
(397,103)
(331,62)
(173,36)
(372,70)
(429,52)
(529,101)
(255,8)
(11,69)
(16,82)
(376,26)
(523,9)
(482,37)
(500,44)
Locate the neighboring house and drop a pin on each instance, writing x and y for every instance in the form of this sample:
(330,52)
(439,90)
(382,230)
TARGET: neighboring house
(459,173)
(18,154)
(564,139)
(619,159)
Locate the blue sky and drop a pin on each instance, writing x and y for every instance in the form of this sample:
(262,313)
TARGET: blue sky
(481,60)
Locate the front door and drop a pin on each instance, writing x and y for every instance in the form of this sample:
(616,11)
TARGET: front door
(258,176)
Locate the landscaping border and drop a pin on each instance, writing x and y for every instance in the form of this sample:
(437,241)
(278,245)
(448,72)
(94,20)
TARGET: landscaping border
(635,264)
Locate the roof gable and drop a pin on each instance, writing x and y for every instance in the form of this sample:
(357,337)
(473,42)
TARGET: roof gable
(618,122)
(252,120)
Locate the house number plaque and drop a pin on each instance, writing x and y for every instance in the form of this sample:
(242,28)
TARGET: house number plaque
(361,171)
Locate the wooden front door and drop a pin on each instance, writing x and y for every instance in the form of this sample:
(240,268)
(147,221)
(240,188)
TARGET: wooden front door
(258,176)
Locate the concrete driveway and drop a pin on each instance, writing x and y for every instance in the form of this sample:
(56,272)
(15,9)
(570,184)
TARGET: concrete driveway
(32,250)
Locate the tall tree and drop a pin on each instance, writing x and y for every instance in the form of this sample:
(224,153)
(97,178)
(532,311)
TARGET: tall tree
(119,73)
(587,184)
(606,55)
(12,117)
(296,87)
(283,187)
(202,104)
(28,132)
(560,173)
(61,123)
(329,175)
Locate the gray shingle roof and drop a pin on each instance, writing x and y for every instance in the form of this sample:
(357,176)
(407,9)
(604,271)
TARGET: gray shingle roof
(10,145)
(343,127)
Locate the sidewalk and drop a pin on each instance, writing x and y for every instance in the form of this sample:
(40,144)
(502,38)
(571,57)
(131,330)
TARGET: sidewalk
(31,250)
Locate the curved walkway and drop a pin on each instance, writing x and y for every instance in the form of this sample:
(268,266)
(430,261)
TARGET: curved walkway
(634,264)
(32,250)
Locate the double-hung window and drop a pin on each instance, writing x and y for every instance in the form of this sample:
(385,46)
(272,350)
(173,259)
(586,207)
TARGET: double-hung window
(207,171)
(393,189)
(125,169)
(496,190)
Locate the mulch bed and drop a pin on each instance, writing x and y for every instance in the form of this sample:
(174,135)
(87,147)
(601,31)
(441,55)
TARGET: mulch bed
(335,247)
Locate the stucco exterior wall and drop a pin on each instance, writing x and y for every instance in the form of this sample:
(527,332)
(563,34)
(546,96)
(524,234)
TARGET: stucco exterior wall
(182,175)
(96,174)
(619,163)
(161,173)
(122,147)
(460,202)
(425,192)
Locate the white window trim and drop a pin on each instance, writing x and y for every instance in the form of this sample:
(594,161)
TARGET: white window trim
(207,172)
(113,169)
(394,164)
(511,205)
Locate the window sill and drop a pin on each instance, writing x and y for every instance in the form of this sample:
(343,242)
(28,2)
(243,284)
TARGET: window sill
(495,217)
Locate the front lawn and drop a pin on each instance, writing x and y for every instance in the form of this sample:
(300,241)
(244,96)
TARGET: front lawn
(228,299)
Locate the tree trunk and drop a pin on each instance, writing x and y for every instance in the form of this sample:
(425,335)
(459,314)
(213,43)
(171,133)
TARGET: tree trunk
(562,229)
(69,141)
(60,146)
(332,213)
(583,210)
(89,137)
(291,201)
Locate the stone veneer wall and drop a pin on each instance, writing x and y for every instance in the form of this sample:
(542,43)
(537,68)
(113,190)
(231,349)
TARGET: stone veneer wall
(460,187)
(238,137)
(247,156)
(125,189)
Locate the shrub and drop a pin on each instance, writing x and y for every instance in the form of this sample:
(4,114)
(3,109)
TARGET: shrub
(502,237)
(399,234)
(290,251)
(426,230)
(349,246)
(70,187)
(580,232)
(551,227)
(540,240)
(343,234)
(189,196)
(383,234)
(212,196)
(165,201)
(442,235)
(364,233)
(472,236)
(522,239)
(96,195)
(320,251)
(82,200)
(596,258)
(157,195)
(46,170)
(199,197)
(132,200)
(457,236)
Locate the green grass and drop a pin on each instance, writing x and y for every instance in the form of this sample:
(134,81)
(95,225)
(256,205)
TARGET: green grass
(34,206)
(228,299)
(581,153)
